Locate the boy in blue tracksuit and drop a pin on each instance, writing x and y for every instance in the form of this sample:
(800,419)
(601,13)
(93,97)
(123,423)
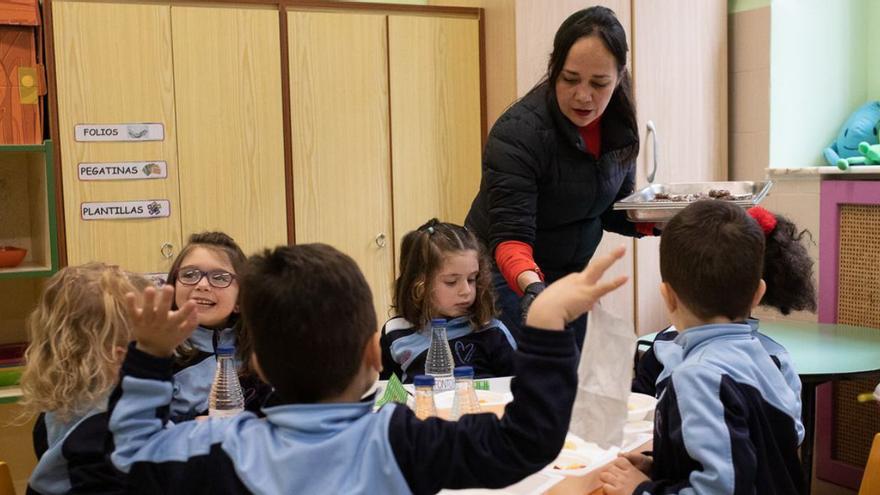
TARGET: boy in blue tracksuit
(311,315)
(727,420)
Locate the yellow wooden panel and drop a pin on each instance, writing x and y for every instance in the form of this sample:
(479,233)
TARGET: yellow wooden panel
(18,297)
(230,143)
(339,118)
(435,118)
(536,25)
(690,113)
(500,31)
(16,438)
(114,65)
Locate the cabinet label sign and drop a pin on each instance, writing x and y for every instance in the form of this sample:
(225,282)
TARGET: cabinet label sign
(147,208)
(122,170)
(119,132)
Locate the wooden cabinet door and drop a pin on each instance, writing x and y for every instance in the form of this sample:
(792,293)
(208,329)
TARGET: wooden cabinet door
(680,56)
(230,142)
(434,72)
(341,151)
(114,65)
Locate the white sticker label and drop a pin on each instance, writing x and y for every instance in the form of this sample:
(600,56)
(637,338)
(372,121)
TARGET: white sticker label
(147,208)
(119,132)
(157,278)
(444,383)
(123,170)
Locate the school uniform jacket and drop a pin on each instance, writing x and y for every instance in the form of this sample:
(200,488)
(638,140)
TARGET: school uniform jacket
(343,448)
(650,368)
(193,378)
(727,421)
(74,456)
(541,186)
(489,350)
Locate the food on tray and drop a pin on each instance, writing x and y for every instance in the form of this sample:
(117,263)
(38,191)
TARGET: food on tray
(566,467)
(570,445)
(712,194)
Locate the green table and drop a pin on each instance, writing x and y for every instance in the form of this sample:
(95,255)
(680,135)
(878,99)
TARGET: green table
(821,353)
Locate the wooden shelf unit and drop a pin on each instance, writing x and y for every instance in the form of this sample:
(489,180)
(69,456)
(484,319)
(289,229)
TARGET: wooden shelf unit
(27,208)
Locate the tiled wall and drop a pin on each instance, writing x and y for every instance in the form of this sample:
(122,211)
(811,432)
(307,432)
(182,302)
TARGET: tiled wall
(749,69)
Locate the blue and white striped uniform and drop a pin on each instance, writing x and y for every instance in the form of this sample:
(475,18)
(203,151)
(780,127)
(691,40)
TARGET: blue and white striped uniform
(73,456)
(727,420)
(343,448)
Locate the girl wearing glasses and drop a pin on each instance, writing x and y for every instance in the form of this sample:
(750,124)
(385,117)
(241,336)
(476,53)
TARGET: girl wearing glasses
(205,272)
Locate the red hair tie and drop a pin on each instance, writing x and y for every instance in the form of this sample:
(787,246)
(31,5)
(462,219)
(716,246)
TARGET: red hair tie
(765,219)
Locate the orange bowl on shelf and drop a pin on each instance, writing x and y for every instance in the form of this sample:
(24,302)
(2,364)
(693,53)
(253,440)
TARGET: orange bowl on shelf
(11,256)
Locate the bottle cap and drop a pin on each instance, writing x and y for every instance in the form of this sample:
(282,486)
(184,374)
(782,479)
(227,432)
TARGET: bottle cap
(423,381)
(225,351)
(438,322)
(463,372)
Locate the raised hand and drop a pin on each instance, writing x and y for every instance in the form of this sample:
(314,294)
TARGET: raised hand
(573,295)
(157,328)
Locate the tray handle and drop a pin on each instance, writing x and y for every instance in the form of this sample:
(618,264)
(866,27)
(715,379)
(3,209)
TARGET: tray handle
(652,131)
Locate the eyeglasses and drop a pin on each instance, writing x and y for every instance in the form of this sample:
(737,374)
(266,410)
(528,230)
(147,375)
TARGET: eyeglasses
(217,278)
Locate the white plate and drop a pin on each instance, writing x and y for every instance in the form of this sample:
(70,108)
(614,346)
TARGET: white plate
(571,463)
(639,406)
(576,450)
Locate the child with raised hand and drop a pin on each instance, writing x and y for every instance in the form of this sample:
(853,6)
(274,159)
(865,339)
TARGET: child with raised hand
(788,273)
(205,272)
(311,315)
(78,335)
(444,273)
(727,420)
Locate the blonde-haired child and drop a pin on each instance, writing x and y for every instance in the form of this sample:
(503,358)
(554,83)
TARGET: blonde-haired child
(78,337)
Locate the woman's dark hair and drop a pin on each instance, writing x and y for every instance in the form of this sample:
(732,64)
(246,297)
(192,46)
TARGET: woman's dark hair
(600,22)
(221,243)
(788,270)
(422,252)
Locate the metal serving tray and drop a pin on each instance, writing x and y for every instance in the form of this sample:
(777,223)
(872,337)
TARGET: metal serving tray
(641,207)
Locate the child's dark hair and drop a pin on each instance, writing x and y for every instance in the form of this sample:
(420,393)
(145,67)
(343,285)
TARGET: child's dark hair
(712,256)
(311,315)
(788,269)
(422,252)
(217,242)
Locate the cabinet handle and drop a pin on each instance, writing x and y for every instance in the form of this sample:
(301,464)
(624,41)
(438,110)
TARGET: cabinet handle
(652,131)
(380,240)
(167,250)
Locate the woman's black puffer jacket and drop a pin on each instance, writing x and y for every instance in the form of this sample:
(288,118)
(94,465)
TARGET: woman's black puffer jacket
(540,186)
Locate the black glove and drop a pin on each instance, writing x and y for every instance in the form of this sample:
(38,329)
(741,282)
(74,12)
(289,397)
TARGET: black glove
(531,292)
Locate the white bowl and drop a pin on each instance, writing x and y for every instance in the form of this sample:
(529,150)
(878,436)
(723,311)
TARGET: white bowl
(641,426)
(639,406)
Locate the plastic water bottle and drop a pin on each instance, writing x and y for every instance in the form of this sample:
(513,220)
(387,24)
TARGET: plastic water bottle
(226,398)
(439,362)
(425,407)
(465,400)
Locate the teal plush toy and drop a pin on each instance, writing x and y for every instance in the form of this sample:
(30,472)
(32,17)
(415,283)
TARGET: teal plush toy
(870,156)
(860,127)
